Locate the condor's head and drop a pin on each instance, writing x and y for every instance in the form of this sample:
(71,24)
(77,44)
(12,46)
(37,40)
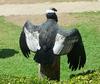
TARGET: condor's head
(51,14)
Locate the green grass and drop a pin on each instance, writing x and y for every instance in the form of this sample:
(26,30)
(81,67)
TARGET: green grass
(11,59)
(89,77)
(89,27)
(14,66)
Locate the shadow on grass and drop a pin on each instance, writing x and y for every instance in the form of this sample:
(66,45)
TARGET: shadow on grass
(5,53)
(83,73)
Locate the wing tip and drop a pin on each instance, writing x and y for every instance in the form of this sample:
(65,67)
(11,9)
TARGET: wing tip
(23,45)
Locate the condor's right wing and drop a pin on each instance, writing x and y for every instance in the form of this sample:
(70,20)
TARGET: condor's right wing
(29,38)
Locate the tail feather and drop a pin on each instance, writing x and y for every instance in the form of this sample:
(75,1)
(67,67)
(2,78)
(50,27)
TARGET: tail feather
(44,57)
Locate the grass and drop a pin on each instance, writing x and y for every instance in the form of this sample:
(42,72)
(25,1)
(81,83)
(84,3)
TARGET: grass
(92,78)
(11,59)
(15,67)
(88,25)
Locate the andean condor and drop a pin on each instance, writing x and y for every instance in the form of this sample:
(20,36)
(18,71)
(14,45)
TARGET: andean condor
(49,40)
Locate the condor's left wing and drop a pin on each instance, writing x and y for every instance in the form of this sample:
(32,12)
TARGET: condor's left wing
(70,43)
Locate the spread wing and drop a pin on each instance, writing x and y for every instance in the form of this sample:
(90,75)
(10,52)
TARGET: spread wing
(29,38)
(70,43)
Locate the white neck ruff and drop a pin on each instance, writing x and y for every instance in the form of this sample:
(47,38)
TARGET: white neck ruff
(50,11)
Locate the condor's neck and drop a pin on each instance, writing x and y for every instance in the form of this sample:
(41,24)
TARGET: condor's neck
(52,16)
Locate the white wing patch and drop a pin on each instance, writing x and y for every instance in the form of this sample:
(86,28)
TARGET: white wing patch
(32,40)
(58,46)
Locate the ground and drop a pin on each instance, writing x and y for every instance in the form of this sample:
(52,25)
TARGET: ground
(36,12)
(35,1)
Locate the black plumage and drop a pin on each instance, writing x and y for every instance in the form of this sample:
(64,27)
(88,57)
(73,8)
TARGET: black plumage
(49,40)
(23,45)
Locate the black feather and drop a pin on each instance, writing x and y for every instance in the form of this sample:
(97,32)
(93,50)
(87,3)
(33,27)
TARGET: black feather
(23,45)
(47,35)
(77,56)
(44,57)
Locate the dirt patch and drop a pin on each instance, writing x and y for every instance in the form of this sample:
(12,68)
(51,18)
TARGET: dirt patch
(20,19)
(35,1)
(17,1)
(64,19)
(20,13)
(40,8)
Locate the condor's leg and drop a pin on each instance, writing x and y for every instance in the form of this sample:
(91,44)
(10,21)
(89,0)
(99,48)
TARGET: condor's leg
(51,71)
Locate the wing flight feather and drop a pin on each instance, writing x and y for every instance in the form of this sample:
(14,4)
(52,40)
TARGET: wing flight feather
(70,43)
(29,38)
